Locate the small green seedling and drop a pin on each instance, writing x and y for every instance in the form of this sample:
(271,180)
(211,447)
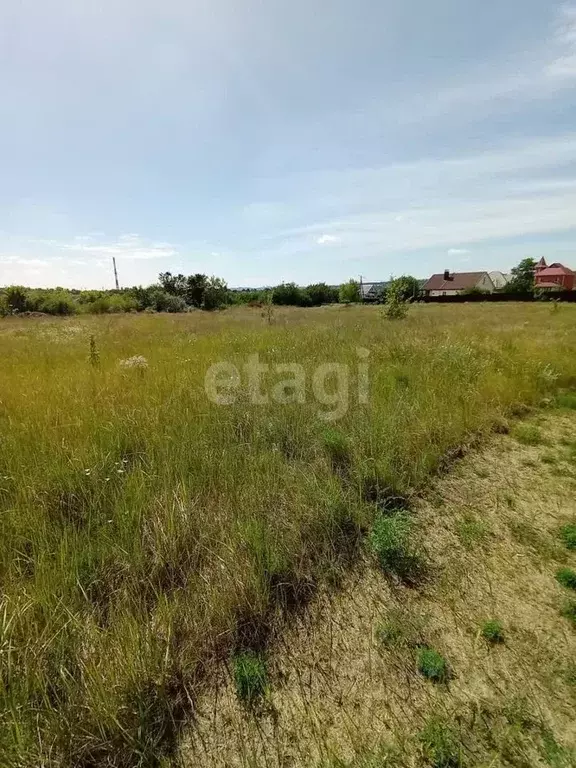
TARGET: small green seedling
(568,535)
(566,577)
(433,665)
(493,631)
(250,676)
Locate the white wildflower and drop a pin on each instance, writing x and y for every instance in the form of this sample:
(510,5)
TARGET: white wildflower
(138,362)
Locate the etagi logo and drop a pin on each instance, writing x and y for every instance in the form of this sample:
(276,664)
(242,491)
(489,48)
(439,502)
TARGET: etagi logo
(334,386)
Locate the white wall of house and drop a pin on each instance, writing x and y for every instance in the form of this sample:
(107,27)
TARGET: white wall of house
(443,293)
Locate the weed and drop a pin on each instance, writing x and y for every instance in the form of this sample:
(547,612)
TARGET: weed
(392,540)
(527,434)
(568,535)
(568,611)
(433,666)
(493,631)
(250,677)
(566,577)
(440,744)
(94,355)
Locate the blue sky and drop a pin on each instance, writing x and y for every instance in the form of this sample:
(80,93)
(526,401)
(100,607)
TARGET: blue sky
(300,140)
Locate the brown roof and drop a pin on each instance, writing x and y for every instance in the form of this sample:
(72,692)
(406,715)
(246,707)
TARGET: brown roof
(554,271)
(459,281)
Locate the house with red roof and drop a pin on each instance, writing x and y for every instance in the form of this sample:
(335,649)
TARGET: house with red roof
(452,283)
(555,277)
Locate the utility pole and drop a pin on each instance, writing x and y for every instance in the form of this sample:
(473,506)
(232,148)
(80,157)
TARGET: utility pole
(361,291)
(115,273)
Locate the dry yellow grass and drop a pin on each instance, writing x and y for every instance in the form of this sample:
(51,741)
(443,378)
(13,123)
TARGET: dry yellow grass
(490,528)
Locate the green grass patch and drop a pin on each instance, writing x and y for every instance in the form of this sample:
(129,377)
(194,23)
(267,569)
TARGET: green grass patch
(568,535)
(527,434)
(566,400)
(393,541)
(401,629)
(472,531)
(566,577)
(492,631)
(441,745)
(250,677)
(433,666)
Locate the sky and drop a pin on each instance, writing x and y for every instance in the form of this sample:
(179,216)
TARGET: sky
(293,140)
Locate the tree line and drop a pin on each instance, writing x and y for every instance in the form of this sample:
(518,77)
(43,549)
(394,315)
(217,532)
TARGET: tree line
(172,293)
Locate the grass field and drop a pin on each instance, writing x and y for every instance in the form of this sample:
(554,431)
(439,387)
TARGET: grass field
(147,530)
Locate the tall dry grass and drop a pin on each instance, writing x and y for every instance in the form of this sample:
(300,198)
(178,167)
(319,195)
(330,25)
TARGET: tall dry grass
(146,530)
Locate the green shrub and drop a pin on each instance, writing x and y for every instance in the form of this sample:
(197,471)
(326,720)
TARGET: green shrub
(433,665)
(566,400)
(569,611)
(350,292)
(250,676)
(441,747)
(527,434)
(493,631)
(566,577)
(392,543)
(568,535)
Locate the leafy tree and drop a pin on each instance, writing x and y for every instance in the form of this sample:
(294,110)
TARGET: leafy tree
(195,288)
(16,298)
(175,285)
(404,288)
(396,306)
(522,277)
(349,292)
(215,293)
(320,293)
(289,294)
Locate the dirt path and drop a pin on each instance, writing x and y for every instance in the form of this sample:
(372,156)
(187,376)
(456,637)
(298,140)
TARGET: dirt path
(339,691)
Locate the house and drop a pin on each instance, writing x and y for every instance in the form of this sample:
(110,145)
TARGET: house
(500,279)
(555,277)
(373,291)
(452,283)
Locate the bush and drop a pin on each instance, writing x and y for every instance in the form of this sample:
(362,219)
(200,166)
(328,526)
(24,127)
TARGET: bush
(493,631)
(16,298)
(395,307)
(320,293)
(568,535)
(349,292)
(289,294)
(566,577)
(250,677)
(391,542)
(433,665)
(215,294)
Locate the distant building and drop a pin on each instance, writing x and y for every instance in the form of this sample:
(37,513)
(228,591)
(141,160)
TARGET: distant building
(555,277)
(500,279)
(452,283)
(373,291)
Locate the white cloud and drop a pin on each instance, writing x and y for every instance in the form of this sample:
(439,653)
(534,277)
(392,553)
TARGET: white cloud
(131,247)
(23,261)
(328,239)
(457,251)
